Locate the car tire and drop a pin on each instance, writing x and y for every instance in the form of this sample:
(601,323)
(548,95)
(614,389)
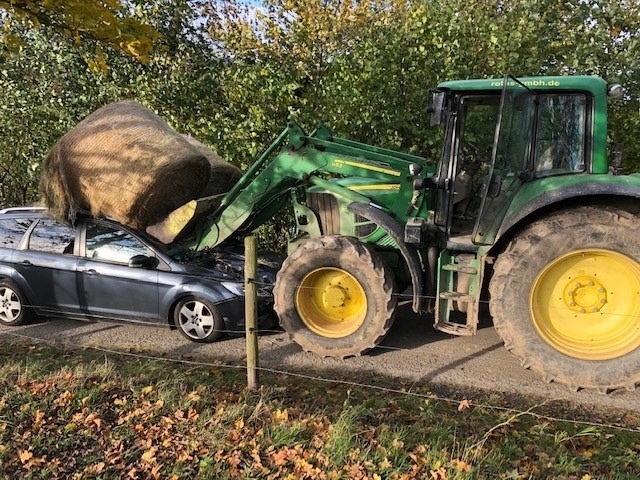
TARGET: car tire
(13,305)
(198,320)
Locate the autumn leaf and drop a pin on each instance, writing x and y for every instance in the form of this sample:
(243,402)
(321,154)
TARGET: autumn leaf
(147,390)
(25,455)
(439,474)
(461,465)
(96,469)
(150,455)
(464,404)
(281,416)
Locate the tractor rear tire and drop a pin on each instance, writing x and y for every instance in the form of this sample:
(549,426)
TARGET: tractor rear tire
(334,297)
(565,298)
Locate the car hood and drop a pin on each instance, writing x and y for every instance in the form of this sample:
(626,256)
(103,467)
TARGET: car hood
(227,265)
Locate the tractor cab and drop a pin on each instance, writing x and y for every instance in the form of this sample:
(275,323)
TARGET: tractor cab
(509,147)
(499,136)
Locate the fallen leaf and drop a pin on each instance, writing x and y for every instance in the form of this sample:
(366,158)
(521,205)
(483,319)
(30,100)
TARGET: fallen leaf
(281,415)
(439,474)
(461,465)
(147,390)
(194,397)
(25,455)
(464,404)
(150,455)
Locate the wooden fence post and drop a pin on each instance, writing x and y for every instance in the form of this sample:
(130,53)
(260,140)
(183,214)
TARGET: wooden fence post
(251,309)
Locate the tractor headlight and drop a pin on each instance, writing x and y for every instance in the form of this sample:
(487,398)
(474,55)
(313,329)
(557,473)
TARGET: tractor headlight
(615,91)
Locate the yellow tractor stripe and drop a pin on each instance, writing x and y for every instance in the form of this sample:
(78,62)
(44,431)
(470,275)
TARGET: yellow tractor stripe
(379,186)
(366,166)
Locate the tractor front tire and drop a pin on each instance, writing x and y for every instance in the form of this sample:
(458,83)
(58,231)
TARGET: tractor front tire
(334,297)
(565,298)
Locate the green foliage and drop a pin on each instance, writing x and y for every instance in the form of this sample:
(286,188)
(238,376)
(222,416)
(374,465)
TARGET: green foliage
(48,85)
(364,68)
(106,21)
(230,73)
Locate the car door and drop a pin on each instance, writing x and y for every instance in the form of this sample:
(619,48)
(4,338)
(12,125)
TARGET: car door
(47,265)
(108,286)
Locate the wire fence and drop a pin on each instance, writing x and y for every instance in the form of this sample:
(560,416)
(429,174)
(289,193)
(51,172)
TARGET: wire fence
(347,383)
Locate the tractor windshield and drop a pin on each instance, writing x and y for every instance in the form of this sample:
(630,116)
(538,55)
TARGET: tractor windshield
(511,151)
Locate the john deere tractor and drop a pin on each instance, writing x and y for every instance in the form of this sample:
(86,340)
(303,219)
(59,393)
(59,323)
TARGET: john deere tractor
(522,198)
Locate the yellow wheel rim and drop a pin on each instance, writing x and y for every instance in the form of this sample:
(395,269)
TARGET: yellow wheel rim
(586,304)
(331,302)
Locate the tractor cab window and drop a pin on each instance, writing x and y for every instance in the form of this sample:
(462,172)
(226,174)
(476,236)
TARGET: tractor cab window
(476,136)
(560,135)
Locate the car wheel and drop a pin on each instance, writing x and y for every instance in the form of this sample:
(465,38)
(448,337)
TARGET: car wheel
(13,305)
(198,320)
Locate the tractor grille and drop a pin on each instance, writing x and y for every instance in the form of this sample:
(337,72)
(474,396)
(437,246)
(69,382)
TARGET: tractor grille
(326,207)
(364,227)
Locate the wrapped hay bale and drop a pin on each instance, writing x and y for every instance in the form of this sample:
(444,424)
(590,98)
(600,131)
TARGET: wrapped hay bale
(125,162)
(223,175)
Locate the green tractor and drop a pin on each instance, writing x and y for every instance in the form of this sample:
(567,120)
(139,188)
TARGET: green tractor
(523,199)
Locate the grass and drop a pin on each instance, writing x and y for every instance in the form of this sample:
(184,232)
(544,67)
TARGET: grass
(82,414)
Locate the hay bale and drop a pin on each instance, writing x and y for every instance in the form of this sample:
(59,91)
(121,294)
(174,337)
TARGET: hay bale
(123,161)
(223,175)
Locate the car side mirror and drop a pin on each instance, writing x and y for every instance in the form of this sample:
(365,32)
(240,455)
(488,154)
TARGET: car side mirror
(142,261)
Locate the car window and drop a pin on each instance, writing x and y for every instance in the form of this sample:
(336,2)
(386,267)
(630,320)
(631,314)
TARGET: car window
(12,230)
(53,237)
(112,244)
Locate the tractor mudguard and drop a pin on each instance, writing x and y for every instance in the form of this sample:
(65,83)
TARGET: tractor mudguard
(570,192)
(395,231)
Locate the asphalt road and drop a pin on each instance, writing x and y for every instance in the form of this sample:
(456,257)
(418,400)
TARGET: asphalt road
(412,353)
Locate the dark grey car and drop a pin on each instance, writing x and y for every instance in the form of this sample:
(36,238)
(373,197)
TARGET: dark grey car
(100,269)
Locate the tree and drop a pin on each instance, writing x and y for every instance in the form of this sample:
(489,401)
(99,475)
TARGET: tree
(104,21)
(46,87)
(365,67)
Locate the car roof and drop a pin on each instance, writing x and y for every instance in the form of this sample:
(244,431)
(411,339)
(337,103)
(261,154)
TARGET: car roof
(9,210)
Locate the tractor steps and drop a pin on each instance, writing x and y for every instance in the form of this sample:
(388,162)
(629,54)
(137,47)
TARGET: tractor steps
(458,293)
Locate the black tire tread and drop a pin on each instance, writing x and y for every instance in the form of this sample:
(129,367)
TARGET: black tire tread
(580,227)
(382,279)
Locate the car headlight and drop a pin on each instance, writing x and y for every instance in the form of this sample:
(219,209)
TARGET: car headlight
(235,288)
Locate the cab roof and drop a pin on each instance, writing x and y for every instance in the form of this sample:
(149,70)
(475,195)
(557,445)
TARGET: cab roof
(595,85)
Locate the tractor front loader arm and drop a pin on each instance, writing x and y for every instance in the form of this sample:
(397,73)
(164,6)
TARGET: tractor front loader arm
(303,160)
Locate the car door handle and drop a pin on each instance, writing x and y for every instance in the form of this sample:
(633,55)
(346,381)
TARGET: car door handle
(25,263)
(90,272)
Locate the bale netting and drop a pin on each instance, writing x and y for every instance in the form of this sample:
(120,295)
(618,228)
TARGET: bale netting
(223,175)
(125,162)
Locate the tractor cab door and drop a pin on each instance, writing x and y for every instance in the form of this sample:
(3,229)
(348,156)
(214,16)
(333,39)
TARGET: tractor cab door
(509,158)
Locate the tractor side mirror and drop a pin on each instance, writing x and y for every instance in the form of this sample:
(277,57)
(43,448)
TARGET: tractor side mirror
(493,185)
(436,109)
